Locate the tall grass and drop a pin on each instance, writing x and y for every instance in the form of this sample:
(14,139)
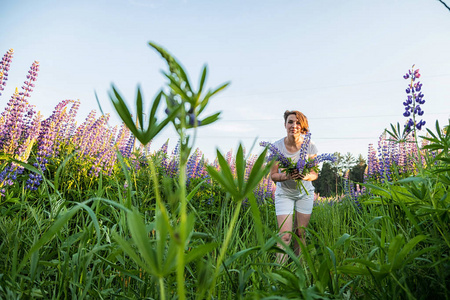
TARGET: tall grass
(144,232)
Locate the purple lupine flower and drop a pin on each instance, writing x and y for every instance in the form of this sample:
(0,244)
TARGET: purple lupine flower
(7,178)
(18,116)
(326,157)
(200,170)
(67,129)
(130,146)
(231,161)
(192,165)
(48,142)
(4,68)
(172,167)
(384,159)
(276,154)
(105,156)
(303,158)
(372,163)
(249,165)
(162,152)
(412,105)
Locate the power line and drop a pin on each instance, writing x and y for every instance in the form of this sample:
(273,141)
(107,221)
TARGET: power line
(326,87)
(325,118)
(276,137)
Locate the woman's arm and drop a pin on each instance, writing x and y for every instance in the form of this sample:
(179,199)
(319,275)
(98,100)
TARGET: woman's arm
(277,176)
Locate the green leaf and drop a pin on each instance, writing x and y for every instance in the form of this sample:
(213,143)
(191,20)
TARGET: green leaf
(48,235)
(122,110)
(230,188)
(194,190)
(256,215)
(126,247)
(202,80)
(60,168)
(409,246)
(378,190)
(210,119)
(240,254)
(394,248)
(140,237)
(139,111)
(225,170)
(342,240)
(257,172)
(175,86)
(240,168)
(200,251)
(353,270)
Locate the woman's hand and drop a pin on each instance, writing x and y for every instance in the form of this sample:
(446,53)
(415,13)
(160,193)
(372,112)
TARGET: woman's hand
(295,175)
(309,177)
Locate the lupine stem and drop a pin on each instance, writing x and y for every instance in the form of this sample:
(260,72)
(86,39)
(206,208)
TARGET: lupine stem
(162,289)
(223,250)
(184,153)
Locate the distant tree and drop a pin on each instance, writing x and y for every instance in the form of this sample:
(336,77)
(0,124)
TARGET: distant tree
(357,172)
(348,162)
(329,182)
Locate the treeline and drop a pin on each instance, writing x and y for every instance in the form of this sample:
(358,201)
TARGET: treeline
(331,175)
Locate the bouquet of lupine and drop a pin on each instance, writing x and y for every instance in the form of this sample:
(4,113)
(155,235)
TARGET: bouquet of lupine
(304,165)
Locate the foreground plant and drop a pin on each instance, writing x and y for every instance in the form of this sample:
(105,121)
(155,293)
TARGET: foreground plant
(411,186)
(185,107)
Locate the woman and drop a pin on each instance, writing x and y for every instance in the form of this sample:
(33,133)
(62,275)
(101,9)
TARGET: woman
(287,196)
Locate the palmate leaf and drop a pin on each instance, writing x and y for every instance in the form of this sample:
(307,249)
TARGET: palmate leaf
(143,133)
(397,135)
(239,188)
(224,177)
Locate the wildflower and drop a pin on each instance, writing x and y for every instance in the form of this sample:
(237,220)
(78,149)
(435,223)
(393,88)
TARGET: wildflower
(414,100)
(4,68)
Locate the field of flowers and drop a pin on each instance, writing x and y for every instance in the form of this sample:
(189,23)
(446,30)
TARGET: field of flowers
(91,211)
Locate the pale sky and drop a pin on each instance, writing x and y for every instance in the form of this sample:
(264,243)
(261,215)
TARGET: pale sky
(339,62)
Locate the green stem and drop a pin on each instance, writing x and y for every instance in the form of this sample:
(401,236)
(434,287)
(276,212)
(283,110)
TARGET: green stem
(162,289)
(182,225)
(299,182)
(223,250)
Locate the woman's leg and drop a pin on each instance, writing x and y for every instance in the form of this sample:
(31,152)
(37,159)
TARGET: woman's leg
(285,226)
(301,222)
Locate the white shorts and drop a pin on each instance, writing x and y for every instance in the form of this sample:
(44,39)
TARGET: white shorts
(285,205)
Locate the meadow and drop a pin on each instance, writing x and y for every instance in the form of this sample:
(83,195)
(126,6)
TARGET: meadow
(91,211)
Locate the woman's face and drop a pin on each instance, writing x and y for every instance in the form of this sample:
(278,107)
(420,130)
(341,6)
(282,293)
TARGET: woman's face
(292,125)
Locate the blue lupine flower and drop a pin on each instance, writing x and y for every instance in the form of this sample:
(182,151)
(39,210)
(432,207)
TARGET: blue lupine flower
(276,154)
(413,102)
